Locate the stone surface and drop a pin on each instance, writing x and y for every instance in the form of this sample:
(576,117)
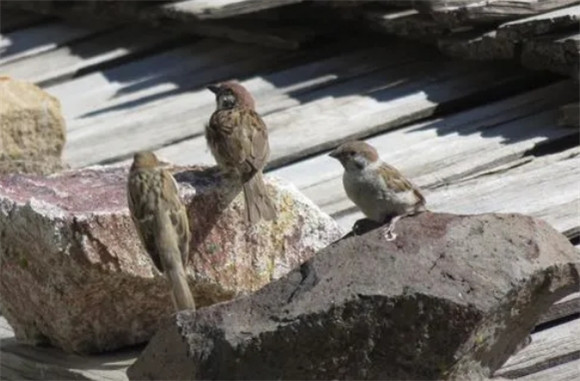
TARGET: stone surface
(32,129)
(451,297)
(74,274)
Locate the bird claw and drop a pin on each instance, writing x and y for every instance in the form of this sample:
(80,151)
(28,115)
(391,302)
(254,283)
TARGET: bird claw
(390,236)
(388,233)
(389,230)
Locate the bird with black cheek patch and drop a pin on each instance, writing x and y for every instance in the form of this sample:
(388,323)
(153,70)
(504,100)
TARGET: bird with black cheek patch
(161,222)
(238,139)
(380,191)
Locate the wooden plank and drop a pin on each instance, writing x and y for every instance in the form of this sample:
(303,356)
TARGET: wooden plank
(569,115)
(248,31)
(568,306)
(494,11)
(551,193)
(567,371)
(273,92)
(558,53)
(554,346)
(475,45)
(558,208)
(141,80)
(11,20)
(550,22)
(355,110)
(408,23)
(293,80)
(154,15)
(456,145)
(216,9)
(63,63)
(38,39)
(20,361)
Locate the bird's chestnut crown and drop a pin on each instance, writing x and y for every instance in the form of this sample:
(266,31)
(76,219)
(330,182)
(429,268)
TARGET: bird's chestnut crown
(231,94)
(145,159)
(355,155)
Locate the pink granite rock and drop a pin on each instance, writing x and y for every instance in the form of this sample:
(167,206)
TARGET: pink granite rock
(74,274)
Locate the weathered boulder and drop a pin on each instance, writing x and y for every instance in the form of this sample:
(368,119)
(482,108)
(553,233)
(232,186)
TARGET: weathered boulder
(74,274)
(451,297)
(32,129)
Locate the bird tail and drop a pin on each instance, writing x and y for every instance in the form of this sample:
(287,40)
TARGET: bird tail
(173,268)
(181,294)
(258,203)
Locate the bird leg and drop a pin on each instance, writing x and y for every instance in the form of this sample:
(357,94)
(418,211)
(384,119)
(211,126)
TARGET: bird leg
(389,230)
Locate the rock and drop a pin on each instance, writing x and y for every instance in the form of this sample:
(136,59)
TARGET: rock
(32,129)
(451,297)
(74,274)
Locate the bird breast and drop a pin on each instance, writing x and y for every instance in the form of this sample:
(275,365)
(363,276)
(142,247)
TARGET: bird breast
(371,194)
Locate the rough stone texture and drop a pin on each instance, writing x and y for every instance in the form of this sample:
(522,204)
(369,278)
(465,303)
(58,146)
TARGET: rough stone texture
(451,297)
(32,129)
(74,274)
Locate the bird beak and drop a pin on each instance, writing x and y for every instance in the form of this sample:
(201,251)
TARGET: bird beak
(333,154)
(214,89)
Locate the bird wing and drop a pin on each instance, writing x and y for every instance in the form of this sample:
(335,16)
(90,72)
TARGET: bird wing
(177,214)
(399,183)
(140,200)
(257,137)
(242,139)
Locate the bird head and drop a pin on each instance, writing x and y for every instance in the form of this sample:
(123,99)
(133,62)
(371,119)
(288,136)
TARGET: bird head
(231,94)
(144,159)
(355,155)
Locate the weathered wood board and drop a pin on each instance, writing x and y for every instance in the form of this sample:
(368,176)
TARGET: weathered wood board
(441,151)
(142,81)
(382,101)
(408,23)
(477,45)
(569,115)
(60,64)
(567,371)
(559,53)
(565,18)
(191,121)
(19,361)
(216,9)
(185,16)
(494,10)
(502,192)
(11,20)
(568,306)
(38,39)
(558,345)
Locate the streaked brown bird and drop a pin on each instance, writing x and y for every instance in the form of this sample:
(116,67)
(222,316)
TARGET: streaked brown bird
(161,222)
(238,139)
(380,191)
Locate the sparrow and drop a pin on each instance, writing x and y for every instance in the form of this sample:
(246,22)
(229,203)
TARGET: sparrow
(380,191)
(238,139)
(161,222)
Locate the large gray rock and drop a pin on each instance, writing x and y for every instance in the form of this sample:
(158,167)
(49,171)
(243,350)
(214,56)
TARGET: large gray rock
(451,297)
(74,273)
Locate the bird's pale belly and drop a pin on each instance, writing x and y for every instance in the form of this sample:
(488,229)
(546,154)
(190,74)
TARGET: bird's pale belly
(375,200)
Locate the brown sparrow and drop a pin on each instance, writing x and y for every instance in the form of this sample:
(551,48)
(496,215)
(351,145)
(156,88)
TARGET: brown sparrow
(380,191)
(238,140)
(161,222)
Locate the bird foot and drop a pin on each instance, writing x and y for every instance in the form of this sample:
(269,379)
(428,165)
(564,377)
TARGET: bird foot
(388,233)
(389,230)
